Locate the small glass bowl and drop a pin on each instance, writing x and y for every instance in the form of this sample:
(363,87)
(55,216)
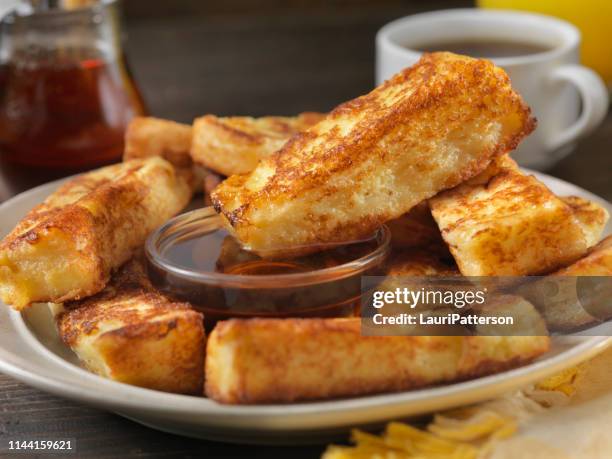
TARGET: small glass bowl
(330,291)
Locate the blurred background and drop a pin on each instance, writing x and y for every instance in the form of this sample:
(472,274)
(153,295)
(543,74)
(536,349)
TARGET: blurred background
(267,57)
(281,57)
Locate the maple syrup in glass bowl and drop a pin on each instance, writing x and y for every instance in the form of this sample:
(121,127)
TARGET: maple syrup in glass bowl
(193,258)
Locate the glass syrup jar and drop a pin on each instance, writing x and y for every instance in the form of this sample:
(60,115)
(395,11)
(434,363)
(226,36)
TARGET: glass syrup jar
(66,93)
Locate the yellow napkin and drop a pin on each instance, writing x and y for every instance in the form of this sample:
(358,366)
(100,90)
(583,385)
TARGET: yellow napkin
(566,416)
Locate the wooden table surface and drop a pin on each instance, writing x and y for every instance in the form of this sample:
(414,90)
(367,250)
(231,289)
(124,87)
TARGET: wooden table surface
(191,61)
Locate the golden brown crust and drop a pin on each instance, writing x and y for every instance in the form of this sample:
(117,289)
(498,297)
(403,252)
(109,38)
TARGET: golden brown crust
(67,247)
(416,262)
(147,136)
(131,333)
(417,229)
(498,165)
(234,145)
(428,128)
(597,262)
(511,225)
(591,216)
(282,361)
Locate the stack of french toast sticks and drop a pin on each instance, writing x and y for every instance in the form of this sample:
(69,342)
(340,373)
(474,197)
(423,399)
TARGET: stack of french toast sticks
(426,153)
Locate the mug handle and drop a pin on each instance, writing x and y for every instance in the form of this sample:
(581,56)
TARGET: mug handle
(595,100)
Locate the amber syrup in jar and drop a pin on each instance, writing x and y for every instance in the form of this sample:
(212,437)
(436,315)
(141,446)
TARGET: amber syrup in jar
(62,111)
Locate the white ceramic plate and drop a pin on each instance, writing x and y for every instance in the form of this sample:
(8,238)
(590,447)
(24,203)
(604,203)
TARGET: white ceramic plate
(30,351)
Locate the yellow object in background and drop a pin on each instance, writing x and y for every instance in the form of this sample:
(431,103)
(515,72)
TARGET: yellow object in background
(592,17)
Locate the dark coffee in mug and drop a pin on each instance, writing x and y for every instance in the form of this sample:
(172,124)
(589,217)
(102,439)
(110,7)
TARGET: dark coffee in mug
(488,49)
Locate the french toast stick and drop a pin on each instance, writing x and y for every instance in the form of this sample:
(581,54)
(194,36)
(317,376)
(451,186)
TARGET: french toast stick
(282,361)
(67,247)
(566,304)
(130,333)
(512,225)
(417,229)
(235,144)
(419,262)
(597,262)
(591,217)
(429,128)
(147,136)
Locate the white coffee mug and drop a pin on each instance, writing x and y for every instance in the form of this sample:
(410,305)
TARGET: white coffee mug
(569,100)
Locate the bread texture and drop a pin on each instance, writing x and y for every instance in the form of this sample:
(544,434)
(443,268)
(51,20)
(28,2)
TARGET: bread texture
(597,262)
(130,333)
(234,145)
(282,361)
(511,225)
(417,229)
(147,136)
(591,217)
(416,262)
(429,128)
(66,248)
